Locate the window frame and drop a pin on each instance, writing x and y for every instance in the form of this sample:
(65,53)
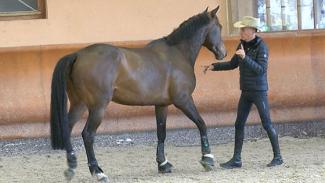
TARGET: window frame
(299,29)
(26,15)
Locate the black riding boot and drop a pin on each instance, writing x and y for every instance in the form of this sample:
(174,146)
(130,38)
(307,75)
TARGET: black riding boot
(235,161)
(277,159)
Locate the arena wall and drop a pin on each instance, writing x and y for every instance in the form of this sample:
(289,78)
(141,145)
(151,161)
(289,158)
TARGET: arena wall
(296,81)
(30,49)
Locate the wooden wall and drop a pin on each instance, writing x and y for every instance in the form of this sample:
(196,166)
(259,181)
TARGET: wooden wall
(296,80)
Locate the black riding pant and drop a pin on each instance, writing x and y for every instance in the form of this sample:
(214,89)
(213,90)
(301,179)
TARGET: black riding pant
(247,99)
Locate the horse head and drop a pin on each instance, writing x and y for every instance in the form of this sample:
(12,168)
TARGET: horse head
(213,39)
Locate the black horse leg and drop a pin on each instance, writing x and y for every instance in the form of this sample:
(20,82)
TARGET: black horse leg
(88,135)
(74,116)
(189,109)
(161,115)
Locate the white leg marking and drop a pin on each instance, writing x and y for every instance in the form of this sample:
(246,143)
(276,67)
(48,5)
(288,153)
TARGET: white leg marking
(164,163)
(209,156)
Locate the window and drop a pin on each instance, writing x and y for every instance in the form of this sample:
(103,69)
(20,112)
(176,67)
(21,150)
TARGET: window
(281,15)
(22,9)
(319,14)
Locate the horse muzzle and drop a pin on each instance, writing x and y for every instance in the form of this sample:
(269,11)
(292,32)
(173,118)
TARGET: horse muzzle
(219,54)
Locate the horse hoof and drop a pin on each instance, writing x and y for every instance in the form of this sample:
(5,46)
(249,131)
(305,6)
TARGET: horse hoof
(207,162)
(69,174)
(165,168)
(102,178)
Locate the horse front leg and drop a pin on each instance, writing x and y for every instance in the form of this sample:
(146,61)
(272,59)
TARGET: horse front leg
(88,134)
(187,106)
(161,116)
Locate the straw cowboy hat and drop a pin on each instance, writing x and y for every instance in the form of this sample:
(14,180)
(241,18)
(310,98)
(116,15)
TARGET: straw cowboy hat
(248,21)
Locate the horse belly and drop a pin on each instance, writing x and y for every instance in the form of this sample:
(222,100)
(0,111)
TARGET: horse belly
(143,93)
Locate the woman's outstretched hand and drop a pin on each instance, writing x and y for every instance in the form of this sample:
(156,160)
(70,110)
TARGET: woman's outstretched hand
(206,68)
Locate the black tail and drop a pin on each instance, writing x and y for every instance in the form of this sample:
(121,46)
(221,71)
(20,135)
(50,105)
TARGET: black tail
(59,114)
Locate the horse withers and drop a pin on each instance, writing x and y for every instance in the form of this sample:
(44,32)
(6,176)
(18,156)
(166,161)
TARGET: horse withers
(159,74)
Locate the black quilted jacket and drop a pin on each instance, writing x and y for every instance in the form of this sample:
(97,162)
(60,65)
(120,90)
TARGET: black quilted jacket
(253,69)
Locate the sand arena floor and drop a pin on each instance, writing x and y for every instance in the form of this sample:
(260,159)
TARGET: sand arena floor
(304,162)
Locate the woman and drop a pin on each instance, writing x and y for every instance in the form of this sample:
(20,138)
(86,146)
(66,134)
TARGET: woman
(252,58)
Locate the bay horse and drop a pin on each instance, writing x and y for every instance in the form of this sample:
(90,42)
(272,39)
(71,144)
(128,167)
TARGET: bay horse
(159,74)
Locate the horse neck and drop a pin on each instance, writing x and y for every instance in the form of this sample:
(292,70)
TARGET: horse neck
(191,47)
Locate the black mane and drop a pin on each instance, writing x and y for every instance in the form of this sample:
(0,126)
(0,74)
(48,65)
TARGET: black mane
(188,28)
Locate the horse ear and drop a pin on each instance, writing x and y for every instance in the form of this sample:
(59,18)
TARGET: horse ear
(214,12)
(206,10)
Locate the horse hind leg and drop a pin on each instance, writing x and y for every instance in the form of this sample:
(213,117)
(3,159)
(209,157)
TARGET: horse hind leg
(75,112)
(88,134)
